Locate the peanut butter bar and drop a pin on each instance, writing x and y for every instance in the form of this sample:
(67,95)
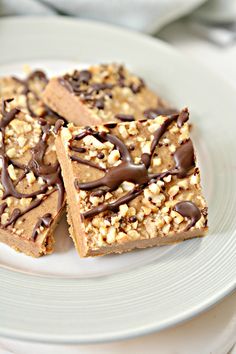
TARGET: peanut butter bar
(100,94)
(31,188)
(131,184)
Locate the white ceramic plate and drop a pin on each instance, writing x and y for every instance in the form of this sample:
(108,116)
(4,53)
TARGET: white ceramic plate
(61,298)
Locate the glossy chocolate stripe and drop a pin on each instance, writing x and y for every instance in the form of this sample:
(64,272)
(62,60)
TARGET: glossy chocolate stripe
(190,210)
(114,206)
(44,221)
(126,171)
(125,117)
(77,149)
(86,162)
(146,158)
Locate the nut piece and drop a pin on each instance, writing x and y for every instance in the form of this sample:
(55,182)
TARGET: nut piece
(172,148)
(21,141)
(121,237)
(152,128)
(127,186)
(194,179)
(133,234)
(173,190)
(133,128)
(167,178)
(25,202)
(123,209)
(12,172)
(154,188)
(183,183)
(178,219)
(184,134)
(94,200)
(4,218)
(156,161)
(111,235)
(146,148)
(30,177)
(113,157)
(20,127)
(123,132)
(166,229)
(91,141)
(11,153)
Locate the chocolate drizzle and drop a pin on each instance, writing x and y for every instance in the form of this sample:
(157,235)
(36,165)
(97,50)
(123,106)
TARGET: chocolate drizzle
(152,113)
(110,125)
(26,87)
(81,84)
(27,91)
(59,123)
(114,206)
(8,186)
(2,208)
(137,87)
(51,174)
(184,159)
(77,149)
(18,213)
(125,117)
(189,210)
(146,158)
(183,117)
(99,103)
(44,221)
(128,171)
(88,163)
(84,76)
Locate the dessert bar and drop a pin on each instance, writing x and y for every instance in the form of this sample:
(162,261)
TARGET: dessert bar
(131,184)
(100,94)
(31,188)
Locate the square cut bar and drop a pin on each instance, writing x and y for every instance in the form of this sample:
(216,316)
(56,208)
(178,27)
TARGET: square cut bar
(31,187)
(100,94)
(131,185)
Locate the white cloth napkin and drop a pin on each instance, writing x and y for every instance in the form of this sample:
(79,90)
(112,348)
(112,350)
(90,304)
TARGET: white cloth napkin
(143,15)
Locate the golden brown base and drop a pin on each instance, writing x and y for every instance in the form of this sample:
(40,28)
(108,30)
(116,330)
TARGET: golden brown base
(60,100)
(28,247)
(139,244)
(147,243)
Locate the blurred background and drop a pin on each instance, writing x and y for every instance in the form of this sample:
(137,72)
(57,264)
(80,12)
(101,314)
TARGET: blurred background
(213,18)
(205,29)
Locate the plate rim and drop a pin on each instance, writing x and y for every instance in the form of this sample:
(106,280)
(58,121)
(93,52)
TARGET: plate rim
(138,330)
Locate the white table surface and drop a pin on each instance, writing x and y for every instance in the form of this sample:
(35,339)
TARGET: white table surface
(213,332)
